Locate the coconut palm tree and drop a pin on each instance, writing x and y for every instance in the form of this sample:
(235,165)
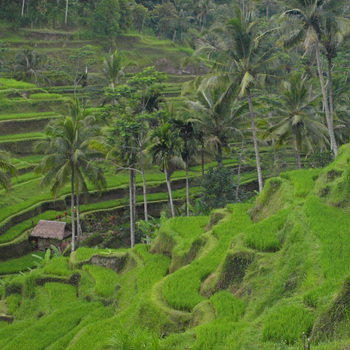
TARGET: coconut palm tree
(310,22)
(334,31)
(6,170)
(187,132)
(213,118)
(234,49)
(297,120)
(166,150)
(69,159)
(113,68)
(28,65)
(123,148)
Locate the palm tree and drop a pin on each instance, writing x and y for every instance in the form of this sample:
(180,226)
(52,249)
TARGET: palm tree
(165,151)
(69,159)
(297,120)
(204,7)
(28,65)
(6,169)
(334,31)
(123,148)
(113,68)
(307,22)
(234,50)
(187,132)
(341,99)
(213,117)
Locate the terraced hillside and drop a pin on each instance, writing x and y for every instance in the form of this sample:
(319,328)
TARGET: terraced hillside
(251,276)
(25,110)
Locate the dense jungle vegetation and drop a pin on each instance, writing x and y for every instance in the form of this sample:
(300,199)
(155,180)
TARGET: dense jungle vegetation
(198,152)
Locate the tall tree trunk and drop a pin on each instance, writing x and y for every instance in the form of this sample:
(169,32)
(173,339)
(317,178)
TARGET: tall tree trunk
(72,211)
(330,87)
(334,147)
(143,174)
(187,191)
(134,195)
(219,155)
(297,153)
(23,4)
(167,177)
(239,170)
(267,8)
(144,188)
(78,221)
(203,158)
(143,22)
(132,209)
(66,15)
(256,147)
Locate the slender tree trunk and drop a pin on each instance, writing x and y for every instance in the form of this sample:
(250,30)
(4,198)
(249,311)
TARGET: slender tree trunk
(256,147)
(187,191)
(143,175)
(167,177)
(219,155)
(23,4)
(132,211)
(203,158)
(267,8)
(330,86)
(334,147)
(311,90)
(239,170)
(72,212)
(297,153)
(143,22)
(145,208)
(66,15)
(174,36)
(78,221)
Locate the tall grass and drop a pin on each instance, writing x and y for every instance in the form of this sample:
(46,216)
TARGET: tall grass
(57,266)
(60,294)
(12,83)
(287,321)
(33,115)
(332,227)
(181,289)
(155,268)
(84,253)
(107,281)
(20,264)
(302,180)
(266,235)
(48,329)
(47,96)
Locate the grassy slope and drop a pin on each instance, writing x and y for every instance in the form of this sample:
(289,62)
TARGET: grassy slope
(256,277)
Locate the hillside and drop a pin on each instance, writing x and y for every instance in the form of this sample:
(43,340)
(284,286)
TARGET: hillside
(251,276)
(26,109)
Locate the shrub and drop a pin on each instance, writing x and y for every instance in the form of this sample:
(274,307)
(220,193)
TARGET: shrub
(219,188)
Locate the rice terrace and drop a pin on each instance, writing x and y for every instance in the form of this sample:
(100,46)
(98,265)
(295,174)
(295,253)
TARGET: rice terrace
(175,175)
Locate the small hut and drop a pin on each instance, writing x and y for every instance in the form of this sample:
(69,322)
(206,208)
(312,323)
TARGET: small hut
(48,232)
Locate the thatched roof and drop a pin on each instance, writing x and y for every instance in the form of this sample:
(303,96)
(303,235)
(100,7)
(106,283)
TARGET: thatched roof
(51,230)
